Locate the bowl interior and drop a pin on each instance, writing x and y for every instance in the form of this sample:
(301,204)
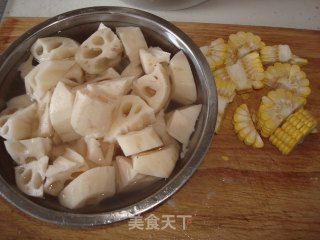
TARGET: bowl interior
(79,25)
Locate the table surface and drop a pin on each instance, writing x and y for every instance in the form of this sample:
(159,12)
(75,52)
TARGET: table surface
(237,192)
(284,13)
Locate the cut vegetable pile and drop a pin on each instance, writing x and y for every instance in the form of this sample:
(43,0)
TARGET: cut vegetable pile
(244,64)
(97,117)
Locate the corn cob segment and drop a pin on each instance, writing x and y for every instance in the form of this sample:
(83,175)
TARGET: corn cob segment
(280,53)
(215,53)
(246,73)
(297,126)
(245,128)
(226,93)
(287,76)
(254,69)
(240,44)
(225,89)
(275,108)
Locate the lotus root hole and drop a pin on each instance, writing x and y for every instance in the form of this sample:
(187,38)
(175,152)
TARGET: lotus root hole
(91,53)
(109,36)
(97,40)
(126,108)
(54,45)
(27,175)
(137,109)
(39,50)
(149,92)
(37,181)
(30,159)
(102,64)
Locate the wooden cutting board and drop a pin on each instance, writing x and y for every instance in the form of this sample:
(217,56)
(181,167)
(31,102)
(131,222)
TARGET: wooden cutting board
(237,192)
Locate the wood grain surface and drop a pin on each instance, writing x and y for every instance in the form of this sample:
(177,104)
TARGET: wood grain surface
(237,192)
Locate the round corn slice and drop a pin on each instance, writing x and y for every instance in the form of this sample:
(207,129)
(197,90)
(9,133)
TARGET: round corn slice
(215,53)
(275,108)
(240,44)
(287,76)
(225,88)
(297,126)
(245,128)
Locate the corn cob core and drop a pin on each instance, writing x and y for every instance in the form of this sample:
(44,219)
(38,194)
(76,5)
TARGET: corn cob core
(280,53)
(245,128)
(215,53)
(226,93)
(275,108)
(297,126)
(276,53)
(287,76)
(246,73)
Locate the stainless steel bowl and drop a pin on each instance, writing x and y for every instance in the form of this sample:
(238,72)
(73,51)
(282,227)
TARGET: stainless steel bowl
(79,24)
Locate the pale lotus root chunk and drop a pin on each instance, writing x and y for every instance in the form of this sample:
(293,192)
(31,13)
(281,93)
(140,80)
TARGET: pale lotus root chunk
(132,114)
(100,51)
(90,116)
(21,101)
(108,74)
(45,76)
(44,128)
(74,76)
(20,124)
(62,170)
(133,40)
(127,179)
(30,176)
(26,67)
(99,152)
(91,187)
(24,151)
(54,48)
(132,70)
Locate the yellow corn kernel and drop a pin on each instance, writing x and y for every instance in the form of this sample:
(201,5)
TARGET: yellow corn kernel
(226,93)
(215,53)
(254,69)
(287,76)
(225,88)
(246,73)
(250,138)
(240,44)
(275,108)
(286,137)
(245,128)
(222,74)
(239,126)
(258,143)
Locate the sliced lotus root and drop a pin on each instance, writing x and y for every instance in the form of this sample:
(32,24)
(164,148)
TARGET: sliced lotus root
(100,51)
